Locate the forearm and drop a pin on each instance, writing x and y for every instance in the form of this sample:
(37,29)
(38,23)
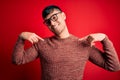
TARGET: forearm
(21,56)
(18,51)
(111,58)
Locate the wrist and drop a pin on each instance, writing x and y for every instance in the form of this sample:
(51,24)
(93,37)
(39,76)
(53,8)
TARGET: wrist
(21,37)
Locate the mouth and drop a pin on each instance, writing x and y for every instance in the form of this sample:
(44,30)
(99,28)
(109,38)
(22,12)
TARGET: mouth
(55,28)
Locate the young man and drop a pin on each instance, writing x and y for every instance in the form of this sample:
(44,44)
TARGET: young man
(63,56)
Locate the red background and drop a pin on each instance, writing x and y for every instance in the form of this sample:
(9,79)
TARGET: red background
(83,17)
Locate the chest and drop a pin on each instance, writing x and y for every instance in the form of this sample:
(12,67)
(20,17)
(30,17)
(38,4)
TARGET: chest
(63,52)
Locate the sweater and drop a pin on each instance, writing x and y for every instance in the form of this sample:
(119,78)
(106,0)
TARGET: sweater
(65,59)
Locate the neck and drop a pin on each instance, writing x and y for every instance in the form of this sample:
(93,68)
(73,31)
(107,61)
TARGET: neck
(64,34)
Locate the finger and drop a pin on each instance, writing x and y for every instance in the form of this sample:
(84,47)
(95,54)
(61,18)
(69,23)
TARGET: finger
(92,44)
(39,38)
(35,39)
(31,41)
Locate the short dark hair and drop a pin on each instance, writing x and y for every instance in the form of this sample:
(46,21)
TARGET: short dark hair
(49,9)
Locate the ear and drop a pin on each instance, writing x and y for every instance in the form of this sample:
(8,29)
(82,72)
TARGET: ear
(64,16)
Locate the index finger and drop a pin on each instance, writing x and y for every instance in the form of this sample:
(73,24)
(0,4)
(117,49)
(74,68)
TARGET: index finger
(39,38)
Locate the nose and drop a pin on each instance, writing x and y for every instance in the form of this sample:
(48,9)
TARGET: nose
(52,23)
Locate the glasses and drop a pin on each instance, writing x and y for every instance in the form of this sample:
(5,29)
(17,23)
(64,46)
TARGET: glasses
(54,18)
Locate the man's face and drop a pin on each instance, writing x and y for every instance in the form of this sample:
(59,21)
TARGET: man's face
(56,21)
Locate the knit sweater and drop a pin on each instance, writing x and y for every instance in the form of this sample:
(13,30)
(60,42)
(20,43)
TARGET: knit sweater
(65,59)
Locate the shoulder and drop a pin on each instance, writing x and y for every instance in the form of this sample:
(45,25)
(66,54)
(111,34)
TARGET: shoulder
(46,39)
(84,42)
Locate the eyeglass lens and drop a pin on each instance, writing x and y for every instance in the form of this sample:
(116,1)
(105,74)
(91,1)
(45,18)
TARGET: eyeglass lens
(53,18)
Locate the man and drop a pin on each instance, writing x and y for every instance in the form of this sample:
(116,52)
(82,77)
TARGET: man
(63,56)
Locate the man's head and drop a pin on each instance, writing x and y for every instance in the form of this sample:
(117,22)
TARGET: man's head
(54,18)
(49,9)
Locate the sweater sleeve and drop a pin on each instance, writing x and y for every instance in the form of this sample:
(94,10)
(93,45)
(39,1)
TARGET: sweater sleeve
(107,58)
(21,56)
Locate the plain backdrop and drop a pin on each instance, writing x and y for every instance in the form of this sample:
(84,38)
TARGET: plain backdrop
(83,17)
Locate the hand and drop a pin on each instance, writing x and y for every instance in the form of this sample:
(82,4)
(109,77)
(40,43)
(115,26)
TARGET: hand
(32,37)
(95,37)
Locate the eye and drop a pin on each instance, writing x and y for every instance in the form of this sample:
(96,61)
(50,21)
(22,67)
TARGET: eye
(47,22)
(54,18)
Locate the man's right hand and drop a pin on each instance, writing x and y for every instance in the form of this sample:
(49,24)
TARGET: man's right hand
(31,37)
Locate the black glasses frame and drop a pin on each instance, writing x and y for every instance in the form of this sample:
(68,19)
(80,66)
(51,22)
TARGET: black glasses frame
(54,18)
